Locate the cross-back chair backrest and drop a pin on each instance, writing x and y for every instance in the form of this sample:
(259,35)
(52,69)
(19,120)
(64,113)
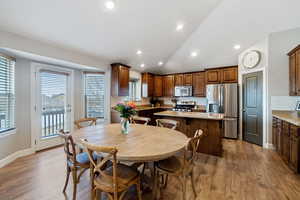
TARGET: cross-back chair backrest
(140,120)
(86,121)
(193,145)
(167,123)
(69,146)
(109,154)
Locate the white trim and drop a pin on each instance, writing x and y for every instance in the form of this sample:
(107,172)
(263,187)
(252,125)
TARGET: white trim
(265,103)
(35,66)
(8,133)
(269,146)
(10,158)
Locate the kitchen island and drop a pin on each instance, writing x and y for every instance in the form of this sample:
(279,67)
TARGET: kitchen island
(210,123)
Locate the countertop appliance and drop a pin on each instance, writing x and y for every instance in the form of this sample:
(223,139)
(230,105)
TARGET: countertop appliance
(183,91)
(184,106)
(223,98)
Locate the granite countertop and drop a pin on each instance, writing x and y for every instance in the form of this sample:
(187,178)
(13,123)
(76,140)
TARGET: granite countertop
(146,107)
(194,115)
(289,116)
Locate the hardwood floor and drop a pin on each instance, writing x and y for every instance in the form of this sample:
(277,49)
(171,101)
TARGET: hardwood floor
(246,172)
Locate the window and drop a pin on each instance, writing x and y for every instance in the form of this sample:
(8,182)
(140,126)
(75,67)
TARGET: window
(134,90)
(94,94)
(7,93)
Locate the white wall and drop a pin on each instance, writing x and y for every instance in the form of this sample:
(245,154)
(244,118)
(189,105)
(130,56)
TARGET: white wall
(21,140)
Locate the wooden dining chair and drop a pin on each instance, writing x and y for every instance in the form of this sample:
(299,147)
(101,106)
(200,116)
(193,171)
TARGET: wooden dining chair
(115,179)
(76,162)
(167,123)
(84,122)
(140,120)
(180,167)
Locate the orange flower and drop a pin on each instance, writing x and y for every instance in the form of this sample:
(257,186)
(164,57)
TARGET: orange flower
(131,104)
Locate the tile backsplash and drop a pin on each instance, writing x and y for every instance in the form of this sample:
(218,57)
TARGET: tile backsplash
(284,102)
(198,100)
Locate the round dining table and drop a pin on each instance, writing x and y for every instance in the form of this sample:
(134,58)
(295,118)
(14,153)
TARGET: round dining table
(142,144)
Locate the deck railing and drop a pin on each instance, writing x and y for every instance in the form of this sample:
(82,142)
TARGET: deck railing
(52,121)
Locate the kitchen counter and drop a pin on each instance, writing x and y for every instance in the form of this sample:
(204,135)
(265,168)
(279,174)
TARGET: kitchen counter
(189,122)
(146,107)
(289,116)
(193,115)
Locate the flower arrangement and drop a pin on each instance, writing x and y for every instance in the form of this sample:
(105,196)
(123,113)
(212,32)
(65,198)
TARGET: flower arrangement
(126,110)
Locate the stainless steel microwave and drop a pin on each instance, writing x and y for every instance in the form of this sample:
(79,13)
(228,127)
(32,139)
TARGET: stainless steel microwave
(183,91)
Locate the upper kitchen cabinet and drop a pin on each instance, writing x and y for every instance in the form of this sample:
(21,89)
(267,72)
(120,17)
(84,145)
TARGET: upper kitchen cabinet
(119,79)
(294,71)
(158,86)
(187,79)
(230,75)
(222,75)
(199,86)
(147,85)
(213,76)
(178,79)
(168,85)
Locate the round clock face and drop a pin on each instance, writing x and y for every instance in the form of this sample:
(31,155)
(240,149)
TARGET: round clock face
(251,59)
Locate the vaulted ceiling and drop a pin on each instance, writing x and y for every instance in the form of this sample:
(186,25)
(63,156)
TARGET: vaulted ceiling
(211,28)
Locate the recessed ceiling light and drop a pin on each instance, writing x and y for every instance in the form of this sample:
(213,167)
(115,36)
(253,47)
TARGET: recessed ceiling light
(194,54)
(160,63)
(110,4)
(142,65)
(139,52)
(237,47)
(179,27)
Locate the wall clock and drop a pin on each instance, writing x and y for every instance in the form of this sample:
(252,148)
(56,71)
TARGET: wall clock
(251,59)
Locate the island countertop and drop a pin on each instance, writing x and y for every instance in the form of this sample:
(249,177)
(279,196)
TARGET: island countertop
(194,115)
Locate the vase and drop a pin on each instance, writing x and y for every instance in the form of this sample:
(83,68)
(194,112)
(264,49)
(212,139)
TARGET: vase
(125,125)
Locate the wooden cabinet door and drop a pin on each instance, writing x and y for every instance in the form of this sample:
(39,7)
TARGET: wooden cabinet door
(274,132)
(230,75)
(213,76)
(294,148)
(297,72)
(124,81)
(178,79)
(286,142)
(279,136)
(158,86)
(168,85)
(292,75)
(188,79)
(199,86)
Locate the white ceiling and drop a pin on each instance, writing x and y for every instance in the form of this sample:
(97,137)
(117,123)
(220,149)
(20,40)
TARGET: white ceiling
(211,27)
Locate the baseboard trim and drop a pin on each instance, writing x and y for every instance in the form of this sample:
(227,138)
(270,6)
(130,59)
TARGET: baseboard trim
(269,146)
(14,156)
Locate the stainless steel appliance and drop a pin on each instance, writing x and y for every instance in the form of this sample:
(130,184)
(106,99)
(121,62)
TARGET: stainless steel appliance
(223,98)
(183,91)
(184,106)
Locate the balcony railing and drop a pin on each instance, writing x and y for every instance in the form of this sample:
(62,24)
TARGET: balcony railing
(52,121)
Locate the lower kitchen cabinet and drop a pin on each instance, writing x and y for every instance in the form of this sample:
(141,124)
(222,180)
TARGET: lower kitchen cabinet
(286,139)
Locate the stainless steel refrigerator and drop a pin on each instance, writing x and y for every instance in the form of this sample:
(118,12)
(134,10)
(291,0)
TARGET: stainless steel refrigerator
(223,98)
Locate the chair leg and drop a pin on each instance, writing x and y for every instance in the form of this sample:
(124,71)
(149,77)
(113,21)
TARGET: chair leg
(193,183)
(138,188)
(74,173)
(183,184)
(67,179)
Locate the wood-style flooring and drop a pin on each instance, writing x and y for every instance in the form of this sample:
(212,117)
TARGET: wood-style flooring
(245,172)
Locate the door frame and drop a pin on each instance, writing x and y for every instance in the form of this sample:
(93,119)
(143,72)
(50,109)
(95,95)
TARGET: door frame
(35,119)
(260,75)
(265,109)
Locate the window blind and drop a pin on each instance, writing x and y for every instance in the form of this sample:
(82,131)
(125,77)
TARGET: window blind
(7,93)
(94,95)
